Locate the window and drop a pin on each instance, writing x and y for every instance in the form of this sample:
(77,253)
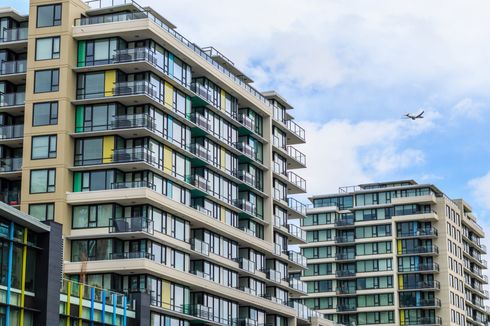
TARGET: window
(48,48)
(46,81)
(43,147)
(44,212)
(49,15)
(45,114)
(43,181)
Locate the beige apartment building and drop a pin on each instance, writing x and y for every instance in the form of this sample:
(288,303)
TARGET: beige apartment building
(395,253)
(170,173)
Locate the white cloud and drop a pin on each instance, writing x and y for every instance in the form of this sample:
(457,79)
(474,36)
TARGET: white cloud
(467,108)
(341,152)
(480,188)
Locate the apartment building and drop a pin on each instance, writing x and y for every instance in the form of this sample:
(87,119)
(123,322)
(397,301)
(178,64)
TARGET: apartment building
(170,173)
(395,253)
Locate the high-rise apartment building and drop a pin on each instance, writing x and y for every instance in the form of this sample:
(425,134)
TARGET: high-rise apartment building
(170,174)
(395,253)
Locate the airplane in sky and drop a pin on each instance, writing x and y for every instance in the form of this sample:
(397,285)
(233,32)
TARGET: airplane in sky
(413,116)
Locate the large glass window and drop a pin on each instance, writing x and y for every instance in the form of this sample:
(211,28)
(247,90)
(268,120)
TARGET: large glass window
(91,85)
(88,151)
(46,81)
(43,147)
(43,212)
(48,48)
(45,114)
(92,216)
(43,181)
(49,15)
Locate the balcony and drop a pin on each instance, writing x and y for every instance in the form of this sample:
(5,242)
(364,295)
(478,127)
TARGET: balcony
(297,207)
(434,267)
(345,239)
(419,233)
(296,159)
(422,285)
(247,178)
(123,155)
(297,232)
(9,165)
(131,224)
(246,150)
(296,130)
(273,275)
(346,308)
(423,303)
(426,321)
(17,67)
(297,258)
(201,152)
(345,273)
(298,285)
(345,256)
(11,132)
(201,121)
(14,35)
(246,206)
(344,222)
(132,88)
(246,122)
(133,184)
(424,250)
(298,183)
(131,255)
(346,290)
(11,198)
(246,265)
(12,99)
(200,247)
(200,183)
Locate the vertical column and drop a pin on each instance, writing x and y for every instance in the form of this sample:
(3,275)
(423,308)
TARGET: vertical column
(23,277)
(9,273)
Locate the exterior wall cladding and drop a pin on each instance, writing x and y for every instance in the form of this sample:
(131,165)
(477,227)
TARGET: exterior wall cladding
(397,253)
(167,173)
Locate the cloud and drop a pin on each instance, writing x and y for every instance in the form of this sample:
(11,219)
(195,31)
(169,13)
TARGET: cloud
(342,152)
(467,108)
(480,188)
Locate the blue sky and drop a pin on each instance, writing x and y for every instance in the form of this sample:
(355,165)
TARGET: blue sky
(352,69)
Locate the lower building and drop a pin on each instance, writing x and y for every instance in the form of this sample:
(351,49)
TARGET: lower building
(395,253)
(32,288)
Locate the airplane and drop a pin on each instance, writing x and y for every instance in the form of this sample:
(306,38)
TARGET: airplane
(413,116)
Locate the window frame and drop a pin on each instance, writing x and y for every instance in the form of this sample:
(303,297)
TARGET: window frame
(55,21)
(46,210)
(50,143)
(53,52)
(48,185)
(53,87)
(51,107)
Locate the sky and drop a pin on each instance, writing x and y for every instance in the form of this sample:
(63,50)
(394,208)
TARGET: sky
(351,69)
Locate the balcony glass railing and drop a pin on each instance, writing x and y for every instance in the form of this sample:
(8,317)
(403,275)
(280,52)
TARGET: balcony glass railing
(133,184)
(345,221)
(246,206)
(12,99)
(345,273)
(200,246)
(297,232)
(346,307)
(13,67)
(14,35)
(123,155)
(246,264)
(296,155)
(246,121)
(10,164)
(346,290)
(418,233)
(298,285)
(296,129)
(345,256)
(422,321)
(432,284)
(131,255)
(419,268)
(297,258)
(140,87)
(273,275)
(201,121)
(11,132)
(429,249)
(246,150)
(200,151)
(345,238)
(297,180)
(297,206)
(131,224)
(431,302)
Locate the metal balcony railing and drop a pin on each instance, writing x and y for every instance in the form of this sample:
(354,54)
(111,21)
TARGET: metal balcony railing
(432,284)
(131,255)
(345,273)
(297,206)
(296,129)
(297,258)
(419,268)
(296,155)
(297,232)
(246,264)
(297,180)
(429,249)
(201,121)
(12,99)
(11,132)
(432,302)
(200,246)
(246,121)
(418,233)
(345,221)
(14,34)
(345,239)
(298,285)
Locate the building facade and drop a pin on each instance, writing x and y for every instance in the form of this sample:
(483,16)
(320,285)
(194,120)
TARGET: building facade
(169,173)
(397,253)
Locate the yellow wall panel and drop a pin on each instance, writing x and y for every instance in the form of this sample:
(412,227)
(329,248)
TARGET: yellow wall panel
(169,95)
(108,149)
(166,294)
(223,214)
(110,81)
(399,246)
(167,159)
(223,100)
(400,282)
(223,159)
